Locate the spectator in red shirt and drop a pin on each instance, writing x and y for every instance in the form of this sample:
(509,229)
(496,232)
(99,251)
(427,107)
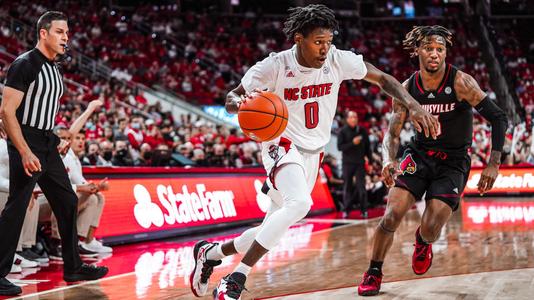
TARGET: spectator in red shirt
(135,133)
(233,138)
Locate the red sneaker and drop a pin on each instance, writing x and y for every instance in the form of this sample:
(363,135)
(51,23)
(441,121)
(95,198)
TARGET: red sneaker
(370,285)
(422,257)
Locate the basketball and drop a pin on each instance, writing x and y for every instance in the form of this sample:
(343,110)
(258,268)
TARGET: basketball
(263,117)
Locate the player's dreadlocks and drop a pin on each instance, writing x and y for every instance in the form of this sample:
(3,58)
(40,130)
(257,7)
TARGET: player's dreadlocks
(305,19)
(419,33)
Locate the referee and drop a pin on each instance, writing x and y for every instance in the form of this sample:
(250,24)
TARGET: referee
(30,103)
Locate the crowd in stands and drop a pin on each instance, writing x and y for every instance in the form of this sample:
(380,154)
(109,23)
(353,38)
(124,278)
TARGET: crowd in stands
(202,56)
(517,48)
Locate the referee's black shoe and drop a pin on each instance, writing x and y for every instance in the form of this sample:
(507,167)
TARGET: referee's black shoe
(86,272)
(9,289)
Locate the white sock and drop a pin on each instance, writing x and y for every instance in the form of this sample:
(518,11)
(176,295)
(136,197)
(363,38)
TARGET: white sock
(215,253)
(243,269)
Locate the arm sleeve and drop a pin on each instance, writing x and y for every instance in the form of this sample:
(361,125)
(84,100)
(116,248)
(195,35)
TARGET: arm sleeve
(18,75)
(351,64)
(261,76)
(498,120)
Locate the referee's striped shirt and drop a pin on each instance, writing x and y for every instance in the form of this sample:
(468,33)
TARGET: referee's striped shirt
(42,84)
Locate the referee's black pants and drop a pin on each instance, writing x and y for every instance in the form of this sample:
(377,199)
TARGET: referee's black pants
(353,190)
(54,182)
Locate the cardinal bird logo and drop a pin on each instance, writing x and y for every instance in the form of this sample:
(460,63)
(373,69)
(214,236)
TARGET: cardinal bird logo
(408,165)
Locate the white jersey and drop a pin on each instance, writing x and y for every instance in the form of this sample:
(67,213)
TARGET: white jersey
(310,94)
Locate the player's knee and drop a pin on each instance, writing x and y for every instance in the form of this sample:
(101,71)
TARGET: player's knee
(92,201)
(391,219)
(299,208)
(101,199)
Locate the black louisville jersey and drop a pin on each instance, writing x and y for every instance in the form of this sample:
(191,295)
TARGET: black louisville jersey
(455,117)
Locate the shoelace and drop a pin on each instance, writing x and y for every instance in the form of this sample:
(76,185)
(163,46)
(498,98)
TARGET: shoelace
(207,269)
(234,288)
(421,252)
(369,279)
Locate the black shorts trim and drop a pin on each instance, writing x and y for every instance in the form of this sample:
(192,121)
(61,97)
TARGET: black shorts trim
(453,203)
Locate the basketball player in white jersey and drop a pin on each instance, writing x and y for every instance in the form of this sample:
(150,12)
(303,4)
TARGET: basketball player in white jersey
(307,77)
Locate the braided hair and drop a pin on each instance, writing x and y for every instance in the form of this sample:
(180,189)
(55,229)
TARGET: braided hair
(414,38)
(306,19)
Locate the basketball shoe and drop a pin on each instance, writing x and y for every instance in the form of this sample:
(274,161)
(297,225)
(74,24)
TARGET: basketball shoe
(230,287)
(422,256)
(201,273)
(370,284)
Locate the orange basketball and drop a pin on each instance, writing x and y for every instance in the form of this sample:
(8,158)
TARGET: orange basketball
(264,117)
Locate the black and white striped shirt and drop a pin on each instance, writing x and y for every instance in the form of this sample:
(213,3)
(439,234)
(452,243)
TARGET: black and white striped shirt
(42,84)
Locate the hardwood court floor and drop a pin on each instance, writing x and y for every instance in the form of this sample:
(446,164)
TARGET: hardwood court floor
(485,252)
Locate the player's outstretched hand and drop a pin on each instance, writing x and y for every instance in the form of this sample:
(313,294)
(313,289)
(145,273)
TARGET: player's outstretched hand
(390,171)
(487,178)
(248,96)
(95,104)
(424,121)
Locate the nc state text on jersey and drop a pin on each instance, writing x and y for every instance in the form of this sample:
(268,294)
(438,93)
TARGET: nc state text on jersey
(306,92)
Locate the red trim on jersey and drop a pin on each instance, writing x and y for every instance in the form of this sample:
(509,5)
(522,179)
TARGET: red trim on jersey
(445,78)
(417,83)
(321,156)
(286,143)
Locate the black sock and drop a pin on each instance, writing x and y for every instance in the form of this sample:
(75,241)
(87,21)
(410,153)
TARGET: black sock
(239,277)
(375,268)
(419,238)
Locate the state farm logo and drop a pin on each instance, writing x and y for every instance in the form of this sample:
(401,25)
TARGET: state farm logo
(511,181)
(184,207)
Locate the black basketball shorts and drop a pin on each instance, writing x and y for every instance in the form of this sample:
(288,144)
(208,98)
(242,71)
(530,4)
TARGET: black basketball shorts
(440,175)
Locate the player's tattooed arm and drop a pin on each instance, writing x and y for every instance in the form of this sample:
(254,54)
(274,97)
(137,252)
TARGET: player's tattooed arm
(390,86)
(392,137)
(421,119)
(234,99)
(467,89)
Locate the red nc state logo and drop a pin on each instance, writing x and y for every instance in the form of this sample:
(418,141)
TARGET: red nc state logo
(408,165)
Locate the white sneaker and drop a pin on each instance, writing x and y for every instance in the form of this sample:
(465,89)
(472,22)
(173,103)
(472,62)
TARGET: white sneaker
(96,246)
(24,263)
(199,278)
(229,288)
(15,268)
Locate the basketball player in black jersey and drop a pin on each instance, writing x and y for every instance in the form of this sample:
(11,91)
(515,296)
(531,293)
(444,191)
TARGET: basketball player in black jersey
(439,167)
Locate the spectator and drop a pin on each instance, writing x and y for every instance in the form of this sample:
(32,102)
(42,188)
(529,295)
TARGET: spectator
(145,156)
(122,156)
